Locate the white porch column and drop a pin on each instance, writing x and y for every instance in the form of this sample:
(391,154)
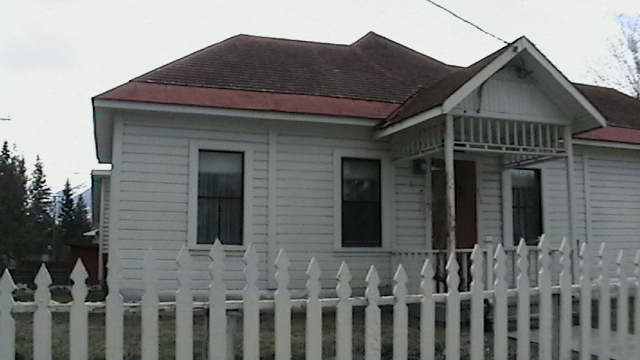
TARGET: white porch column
(450,184)
(568,143)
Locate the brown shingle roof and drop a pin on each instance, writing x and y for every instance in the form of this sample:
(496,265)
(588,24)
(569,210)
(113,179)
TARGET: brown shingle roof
(389,80)
(374,68)
(619,109)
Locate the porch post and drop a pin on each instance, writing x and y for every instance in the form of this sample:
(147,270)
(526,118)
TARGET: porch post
(568,143)
(450,184)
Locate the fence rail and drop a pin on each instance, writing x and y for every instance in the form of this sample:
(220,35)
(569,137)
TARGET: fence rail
(592,292)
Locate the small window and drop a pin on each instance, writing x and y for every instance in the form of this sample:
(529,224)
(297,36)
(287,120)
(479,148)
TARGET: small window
(220,197)
(361,205)
(526,205)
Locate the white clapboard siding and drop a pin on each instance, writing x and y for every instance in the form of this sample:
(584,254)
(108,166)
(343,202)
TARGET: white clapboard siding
(508,92)
(614,198)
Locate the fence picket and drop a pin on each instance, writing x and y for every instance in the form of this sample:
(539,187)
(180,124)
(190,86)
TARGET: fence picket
(42,316)
(427,312)
(636,302)
(566,300)
(372,322)
(622,321)
(604,310)
(114,321)
(149,304)
(79,314)
(218,336)
(251,309)
(314,313)
(453,309)
(523,284)
(400,315)
(282,312)
(501,305)
(344,314)
(546,308)
(7,323)
(184,307)
(585,282)
(477,304)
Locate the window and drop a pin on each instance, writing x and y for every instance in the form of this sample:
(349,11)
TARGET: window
(526,205)
(361,203)
(220,197)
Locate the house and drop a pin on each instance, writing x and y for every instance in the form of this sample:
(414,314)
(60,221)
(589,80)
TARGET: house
(368,153)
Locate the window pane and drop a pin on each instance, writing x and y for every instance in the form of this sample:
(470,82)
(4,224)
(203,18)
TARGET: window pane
(361,214)
(527,205)
(220,197)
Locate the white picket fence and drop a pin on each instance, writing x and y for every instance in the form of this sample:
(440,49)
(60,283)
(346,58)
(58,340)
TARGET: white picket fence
(556,320)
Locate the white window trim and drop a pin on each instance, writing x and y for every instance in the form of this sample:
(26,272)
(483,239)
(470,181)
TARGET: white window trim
(195,146)
(507,206)
(387,190)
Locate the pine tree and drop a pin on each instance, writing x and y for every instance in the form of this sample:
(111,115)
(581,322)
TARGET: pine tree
(66,222)
(14,219)
(39,208)
(81,219)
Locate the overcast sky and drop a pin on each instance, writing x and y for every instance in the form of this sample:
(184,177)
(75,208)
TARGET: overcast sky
(57,54)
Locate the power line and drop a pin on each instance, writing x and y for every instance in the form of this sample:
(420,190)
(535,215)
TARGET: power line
(468,22)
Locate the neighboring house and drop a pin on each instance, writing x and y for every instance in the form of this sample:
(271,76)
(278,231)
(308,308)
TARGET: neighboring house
(357,153)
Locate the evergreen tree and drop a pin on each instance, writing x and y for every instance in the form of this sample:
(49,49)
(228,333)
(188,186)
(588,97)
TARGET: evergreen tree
(39,209)
(14,219)
(66,221)
(81,219)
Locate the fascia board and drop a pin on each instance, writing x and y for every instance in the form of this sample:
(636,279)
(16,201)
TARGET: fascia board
(482,76)
(253,114)
(562,80)
(407,123)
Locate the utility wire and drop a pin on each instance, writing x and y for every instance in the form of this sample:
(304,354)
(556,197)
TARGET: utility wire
(468,22)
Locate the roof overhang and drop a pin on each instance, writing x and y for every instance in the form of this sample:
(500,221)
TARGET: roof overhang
(329,111)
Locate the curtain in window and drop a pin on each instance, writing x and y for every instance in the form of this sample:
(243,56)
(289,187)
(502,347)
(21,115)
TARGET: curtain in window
(220,197)
(361,223)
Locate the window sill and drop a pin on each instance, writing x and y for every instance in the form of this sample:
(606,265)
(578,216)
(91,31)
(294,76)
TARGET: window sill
(200,248)
(361,250)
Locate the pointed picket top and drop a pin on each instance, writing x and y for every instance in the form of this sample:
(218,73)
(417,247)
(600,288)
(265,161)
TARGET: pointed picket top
(372,293)
(217,256)
(400,279)
(43,278)
(477,265)
(251,260)
(586,258)
(343,289)
(620,269)
(282,275)
(313,283)
(79,276)
(500,266)
(544,256)
(427,271)
(522,262)
(603,261)
(453,275)
(79,273)
(565,255)
(6,283)
(184,267)
(150,277)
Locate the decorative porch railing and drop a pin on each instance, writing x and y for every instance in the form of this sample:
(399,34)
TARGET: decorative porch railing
(412,260)
(404,335)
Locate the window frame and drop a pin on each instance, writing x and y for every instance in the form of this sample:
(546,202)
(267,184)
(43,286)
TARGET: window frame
(195,146)
(507,194)
(387,188)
